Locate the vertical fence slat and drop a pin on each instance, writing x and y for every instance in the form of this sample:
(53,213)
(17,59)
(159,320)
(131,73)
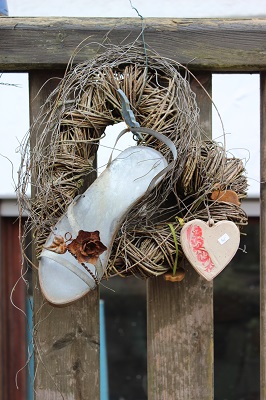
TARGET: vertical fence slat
(12,321)
(180,322)
(263,237)
(66,339)
(3,372)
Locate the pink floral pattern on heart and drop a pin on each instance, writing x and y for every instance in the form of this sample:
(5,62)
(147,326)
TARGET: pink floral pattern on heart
(194,236)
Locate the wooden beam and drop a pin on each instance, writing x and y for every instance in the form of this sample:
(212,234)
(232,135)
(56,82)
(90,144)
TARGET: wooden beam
(12,321)
(180,321)
(67,347)
(201,44)
(263,239)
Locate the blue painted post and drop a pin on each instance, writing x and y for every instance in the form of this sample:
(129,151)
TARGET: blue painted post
(104,394)
(30,372)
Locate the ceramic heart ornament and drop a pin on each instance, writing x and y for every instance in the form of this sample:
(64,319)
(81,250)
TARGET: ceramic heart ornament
(209,248)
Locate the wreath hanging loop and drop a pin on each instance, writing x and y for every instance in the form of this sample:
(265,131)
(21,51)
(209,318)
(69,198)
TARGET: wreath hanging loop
(70,127)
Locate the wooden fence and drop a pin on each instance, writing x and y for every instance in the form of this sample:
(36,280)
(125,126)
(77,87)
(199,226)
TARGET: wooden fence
(180,317)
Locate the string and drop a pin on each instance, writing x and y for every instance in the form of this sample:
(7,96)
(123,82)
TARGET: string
(143,38)
(210,220)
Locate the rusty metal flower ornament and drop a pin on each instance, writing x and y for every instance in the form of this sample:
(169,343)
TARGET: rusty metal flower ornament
(87,247)
(58,245)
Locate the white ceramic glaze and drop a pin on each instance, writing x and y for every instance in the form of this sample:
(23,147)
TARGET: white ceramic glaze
(102,207)
(209,248)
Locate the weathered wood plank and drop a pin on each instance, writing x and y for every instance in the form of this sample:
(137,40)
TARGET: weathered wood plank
(3,372)
(263,239)
(202,44)
(66,339)
(180,324)
(12,321)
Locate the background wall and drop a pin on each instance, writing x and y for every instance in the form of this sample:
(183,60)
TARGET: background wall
(236,96)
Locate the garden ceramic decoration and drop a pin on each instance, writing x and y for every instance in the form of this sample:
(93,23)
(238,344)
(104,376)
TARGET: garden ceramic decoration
(209,247)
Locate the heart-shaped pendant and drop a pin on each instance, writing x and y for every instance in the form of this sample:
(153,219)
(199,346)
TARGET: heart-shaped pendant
(209,248)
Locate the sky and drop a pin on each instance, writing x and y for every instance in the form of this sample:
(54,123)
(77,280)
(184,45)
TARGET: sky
(235,95)
(147,8)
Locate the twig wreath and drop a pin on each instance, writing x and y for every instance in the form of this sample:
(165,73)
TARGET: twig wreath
(204,184)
